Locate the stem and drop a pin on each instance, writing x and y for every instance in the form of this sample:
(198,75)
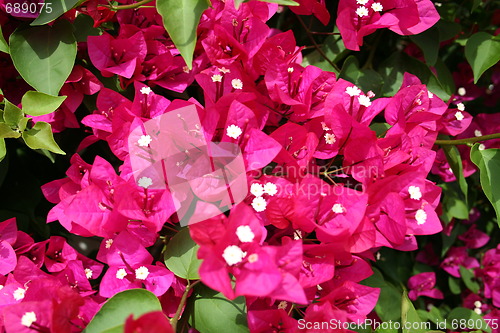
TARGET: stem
(311,37)
(468,140)
(131,6)
(177,315)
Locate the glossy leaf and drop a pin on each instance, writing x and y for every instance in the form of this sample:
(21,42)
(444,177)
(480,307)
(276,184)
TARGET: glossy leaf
(4,47)
(488,162)
(469,279)
(214,313)
(37,104)
(56,9)
(467,318)
(44,56)
(12,115)
(111,317)
(40,137)
(482,51)
(180,256)
(181,18)
(455,161)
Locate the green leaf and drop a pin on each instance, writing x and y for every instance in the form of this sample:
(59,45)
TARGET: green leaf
(113,313)
(488,162)
(386,308)
(3,149)
(40,137)
(282,2)
(181,18)
(410,320)
(54,9)
(454,205)
(454,285)
(455,161)
(7,132)
(428,42)
(83,27)
(37,104)
(465,318)
(4,47)
(44,56)
(469,279)
(12,115)
(366,79)
(214,313)
(482,51)
(180,256)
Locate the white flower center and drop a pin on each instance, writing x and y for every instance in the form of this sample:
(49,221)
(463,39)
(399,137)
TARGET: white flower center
(290,69)
(121,273)
(270,188)
(237,84)
(145,90)
(330,138)
(224,70)
(282,305)
(233,131)
(145,182)
(362,2)
(459,116)
(216,78)
(28,318)
(421,216)
(415,193)
(478,133)
(141,273)
(323,125)
(478,304)
(353,90)
(109,242)
(144,140)
(253,258)
(257,189)
(364,100)
(88,273)
(481,147)
(461,106)
(245,234)
(338,208)
(259,204)
(233,255)
(429,94)
(461,91)
(377,7)
(19,294)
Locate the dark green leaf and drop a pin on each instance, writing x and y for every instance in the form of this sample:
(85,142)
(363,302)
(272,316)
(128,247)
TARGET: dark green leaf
(12,115)
(113,313)
(386,307)
(469,279)
(365,79)
(37,104)
(455,161)
(4,47)
(44,56)
(40,137)
(53,9)
(428,42)
(83,27)
(214,313)
(181,18)
(180,256)
(282,2)
(482,51)
(410,321)
(470,320)
(3,150)
(454,285)
(454,205)
(488,162)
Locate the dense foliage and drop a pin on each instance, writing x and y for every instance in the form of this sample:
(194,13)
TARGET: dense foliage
(249,166)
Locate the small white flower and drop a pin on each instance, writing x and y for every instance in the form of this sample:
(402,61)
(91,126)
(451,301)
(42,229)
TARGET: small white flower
(282,305)
(478,311)
(259,204)
(253,258)
(28,318)
(121,273)
(338,208)
(290,69)
(478,133)
(421,216)
(415,193)
(459,116)
(364,100)
(257,189)
(438,4)
(144,140)
(19,294)
(185,69)
(216,78)
(1,286)
(88,273)
(145,182)
(461,106)
(270,188)
(237,84)
(377,7)
(429,94)
(324,127)
(145,90)
(478,304)
(352,91)
(461,91)
(109,242)
(141,273)
(362,2)
(481,147)
(233,131)
(224,70)
(233,255)
(330,138)
(245,234)
(362,11)
(297,235)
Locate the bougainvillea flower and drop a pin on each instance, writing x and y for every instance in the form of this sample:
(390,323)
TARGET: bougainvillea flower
(456,257)
(8,236)
(423,284)
(148,322)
